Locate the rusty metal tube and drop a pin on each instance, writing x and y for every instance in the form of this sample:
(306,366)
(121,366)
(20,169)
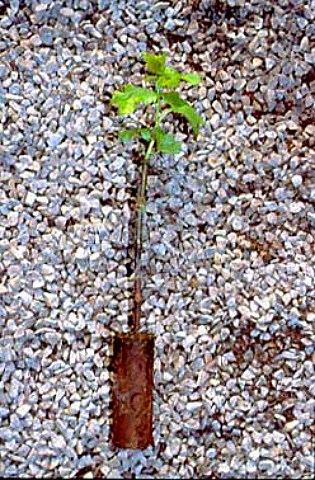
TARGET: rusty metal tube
(133,356)
(132,390)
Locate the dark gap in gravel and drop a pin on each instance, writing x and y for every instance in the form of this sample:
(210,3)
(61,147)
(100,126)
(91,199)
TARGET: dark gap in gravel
(195,66)
(151,42)
(94,469)
(309,76)
(218,13)
(183,124)
(263,351)
(307,120)
(174,38)
(92,16)
(209,477)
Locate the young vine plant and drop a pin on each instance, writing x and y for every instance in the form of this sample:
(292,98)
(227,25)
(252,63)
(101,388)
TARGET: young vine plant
(160,93)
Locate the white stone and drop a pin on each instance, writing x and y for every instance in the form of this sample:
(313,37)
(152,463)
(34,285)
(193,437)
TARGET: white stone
(81,253)
(216,105)
(296,207)
(107,123)
(189,341)
(47,270)
(13,218)
(18,251)
(215,120)
(25,297)
(297,180)
(73,318)
(244,311)
(38,283)
(257,62)
(193,28)
(278,437)
(72,359)
(289,426)
(263,302)
(59,442)
(67,12)
(270,63)
(76,321)
(167,376)
(23,410)
(55,139)
(75,407)
(237,224)
(51,299)
(286,298)
(30,198)
(248,374)
(192,406)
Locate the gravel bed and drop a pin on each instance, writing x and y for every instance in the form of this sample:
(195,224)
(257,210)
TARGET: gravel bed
(229,249)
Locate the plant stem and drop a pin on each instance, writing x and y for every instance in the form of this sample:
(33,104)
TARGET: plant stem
(157,118)
(141,200)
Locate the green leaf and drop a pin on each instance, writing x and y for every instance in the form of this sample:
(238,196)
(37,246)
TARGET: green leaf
(192,78)
(127,100)
(145,134)
(129,134)
(150,78)
(166,76)
(155,63)
(174,100)
(178,105)
(126,135)
(170,78)
(166,142)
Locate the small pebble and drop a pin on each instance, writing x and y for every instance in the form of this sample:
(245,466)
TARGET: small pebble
(297,180)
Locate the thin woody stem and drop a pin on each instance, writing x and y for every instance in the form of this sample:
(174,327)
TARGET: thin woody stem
(141,200)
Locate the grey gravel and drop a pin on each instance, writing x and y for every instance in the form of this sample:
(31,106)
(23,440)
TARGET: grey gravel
(229,248)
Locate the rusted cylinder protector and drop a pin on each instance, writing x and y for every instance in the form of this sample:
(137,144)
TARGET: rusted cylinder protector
(132,390)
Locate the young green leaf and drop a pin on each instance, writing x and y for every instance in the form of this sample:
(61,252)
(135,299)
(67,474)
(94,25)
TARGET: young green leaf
(170,78)
(145,134)
(178,105)
(150,78)
(127,100)
(155,63)
(126,135)
(192,78)
(129,134)
(174,100)
(166,142)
